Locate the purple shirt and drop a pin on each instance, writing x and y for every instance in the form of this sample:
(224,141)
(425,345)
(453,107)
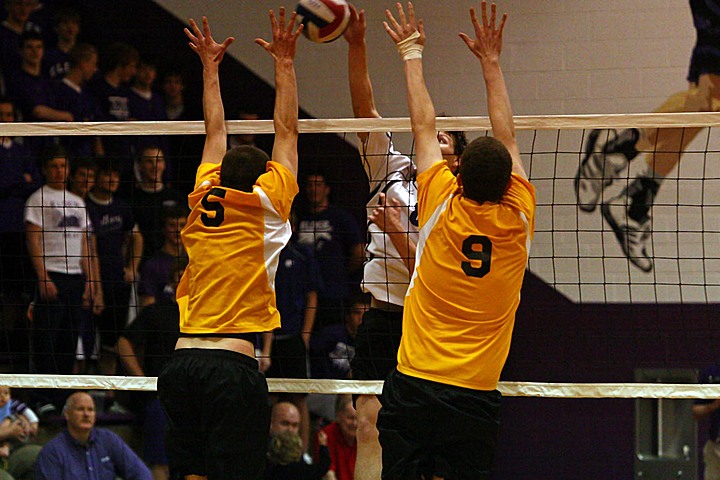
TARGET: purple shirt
(105,457)
(112,223)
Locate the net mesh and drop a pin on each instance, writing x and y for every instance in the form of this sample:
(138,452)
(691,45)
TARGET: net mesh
(618,280)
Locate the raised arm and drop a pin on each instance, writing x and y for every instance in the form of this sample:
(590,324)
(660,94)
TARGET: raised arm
(285,117)
(487,46)
(211,54)
(409,37)
(361,92)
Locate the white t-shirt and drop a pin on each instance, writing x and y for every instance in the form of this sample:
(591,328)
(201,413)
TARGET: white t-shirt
(64,222)
(385,275)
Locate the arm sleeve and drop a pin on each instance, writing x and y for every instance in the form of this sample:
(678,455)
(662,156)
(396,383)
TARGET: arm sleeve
(280,186)
(129,465)
(435,185)
(47,465)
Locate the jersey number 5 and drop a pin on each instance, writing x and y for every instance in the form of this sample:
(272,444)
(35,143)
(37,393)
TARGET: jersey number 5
(215,206)
(472,253)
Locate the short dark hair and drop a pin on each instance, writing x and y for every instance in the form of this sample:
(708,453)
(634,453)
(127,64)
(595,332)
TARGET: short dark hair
(107,165)
(119,54)
(241,167)
(66,14)
(5,99)
(460,141)
(81,52)
(28,35)
(82,162)
(176,211)
(485,168)
(51,152)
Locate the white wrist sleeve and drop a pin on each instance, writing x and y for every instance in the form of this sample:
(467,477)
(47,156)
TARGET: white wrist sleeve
(409,48)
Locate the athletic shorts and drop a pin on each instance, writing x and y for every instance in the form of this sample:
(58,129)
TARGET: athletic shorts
(288,358)
(376,345)
(218,414)
(429,428)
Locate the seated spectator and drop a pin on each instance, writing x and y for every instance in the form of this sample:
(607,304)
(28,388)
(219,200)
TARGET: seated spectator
(341,439)
(72,96)
(17,457)
(155,274)
(15,24)
(285,458)
(83,451)
(66,23)
(154,332)
(31,90)
(333,348)
(150,197)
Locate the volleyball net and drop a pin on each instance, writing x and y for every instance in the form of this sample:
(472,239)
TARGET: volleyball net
(623,277)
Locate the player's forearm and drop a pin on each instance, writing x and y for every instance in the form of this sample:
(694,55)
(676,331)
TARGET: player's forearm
(422,116)
(361,92)
(285,117)
(214,114)
(406,248)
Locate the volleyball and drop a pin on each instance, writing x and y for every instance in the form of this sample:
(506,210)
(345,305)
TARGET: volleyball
(323,20)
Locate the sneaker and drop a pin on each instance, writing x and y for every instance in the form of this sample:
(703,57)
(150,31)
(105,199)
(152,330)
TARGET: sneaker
(628,215)
(602,163)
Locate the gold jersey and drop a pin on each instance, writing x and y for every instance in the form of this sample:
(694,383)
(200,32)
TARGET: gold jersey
(461,303)
(233,240)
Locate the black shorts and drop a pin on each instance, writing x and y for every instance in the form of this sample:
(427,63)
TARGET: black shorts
(376,345)
(429,428)
(218,414)
(288,358)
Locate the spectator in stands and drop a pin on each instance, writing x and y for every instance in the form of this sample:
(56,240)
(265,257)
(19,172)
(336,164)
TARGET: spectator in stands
(119,250)
(30,89)
(112,94)
(154,332)
(341,440)
(15,24)
(66,24)
(58,243)
(333,348)
(17,458)
(20,177)
(285,459)
(296,284)
(83,451)
(147,105)
(82,176)
(709,409)
(72,96)
(80,182)
(155,272)
(181,148)
(150,196)
(284,417)
(339,247)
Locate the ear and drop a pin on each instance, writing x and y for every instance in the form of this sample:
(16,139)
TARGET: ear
(459,180)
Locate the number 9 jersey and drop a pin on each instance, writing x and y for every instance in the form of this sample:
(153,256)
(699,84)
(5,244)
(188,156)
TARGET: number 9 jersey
(233,240)
(470,263)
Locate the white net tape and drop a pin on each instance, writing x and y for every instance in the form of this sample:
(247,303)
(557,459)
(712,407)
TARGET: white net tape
(344,125)
(280,385)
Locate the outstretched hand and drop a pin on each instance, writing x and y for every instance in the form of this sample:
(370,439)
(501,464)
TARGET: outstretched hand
(202,43)
(284,36)
(355,31)
(487,44)
(405,27)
